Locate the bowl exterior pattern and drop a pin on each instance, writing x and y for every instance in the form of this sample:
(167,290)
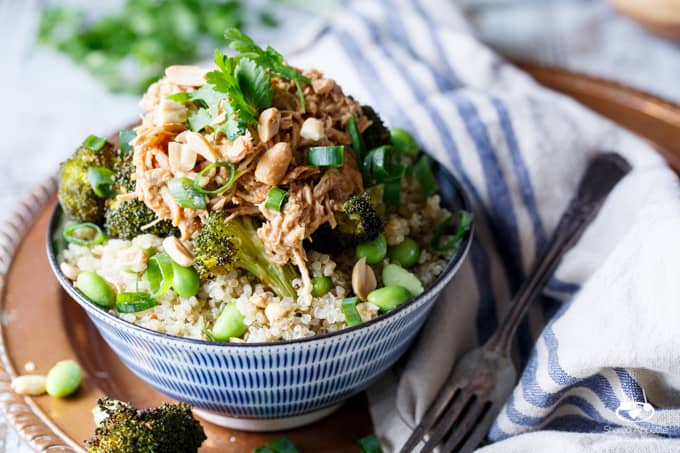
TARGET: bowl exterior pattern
(269,380)
(265,381)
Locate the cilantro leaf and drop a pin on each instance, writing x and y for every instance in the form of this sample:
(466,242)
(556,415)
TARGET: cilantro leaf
(207,97)
(269,58)
(254,82)
(179,97)
(232,127)
(199,119)
(226,81)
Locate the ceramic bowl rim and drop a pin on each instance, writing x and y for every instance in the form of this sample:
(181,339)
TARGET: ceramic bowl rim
(452,267)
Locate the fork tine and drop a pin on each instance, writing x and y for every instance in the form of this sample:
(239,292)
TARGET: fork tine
(482,429)
(466,425)
(447,394)
(447,420)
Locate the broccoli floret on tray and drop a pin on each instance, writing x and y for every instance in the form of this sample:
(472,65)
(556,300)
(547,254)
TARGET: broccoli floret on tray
(127,219)
(224,245)
(75,191)
(123,429)
(358,221)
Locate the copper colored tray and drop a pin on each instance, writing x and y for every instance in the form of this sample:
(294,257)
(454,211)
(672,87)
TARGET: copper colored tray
(40,325)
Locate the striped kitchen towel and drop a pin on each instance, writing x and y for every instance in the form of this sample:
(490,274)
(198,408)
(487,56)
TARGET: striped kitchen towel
(604,338)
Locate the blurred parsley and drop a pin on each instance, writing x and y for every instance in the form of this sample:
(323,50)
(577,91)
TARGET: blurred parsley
(129,49)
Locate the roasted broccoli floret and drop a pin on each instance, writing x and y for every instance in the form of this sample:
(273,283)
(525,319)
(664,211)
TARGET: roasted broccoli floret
(123,169)
(125,219)
(222,246)
(75,192)
(357,221)
(123,429)
(376,134)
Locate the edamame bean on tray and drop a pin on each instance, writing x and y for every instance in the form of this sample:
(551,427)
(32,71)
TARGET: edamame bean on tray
(254,202)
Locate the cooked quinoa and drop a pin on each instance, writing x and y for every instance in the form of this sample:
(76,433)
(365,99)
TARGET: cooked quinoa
(268,317)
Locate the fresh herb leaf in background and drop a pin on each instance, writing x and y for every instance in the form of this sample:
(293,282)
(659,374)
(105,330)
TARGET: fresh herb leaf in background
(268,20)
(129,49)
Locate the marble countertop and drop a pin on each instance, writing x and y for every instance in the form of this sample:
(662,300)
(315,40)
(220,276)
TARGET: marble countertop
(50,105)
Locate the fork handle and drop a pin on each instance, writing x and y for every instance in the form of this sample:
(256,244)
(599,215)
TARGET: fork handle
(602,174)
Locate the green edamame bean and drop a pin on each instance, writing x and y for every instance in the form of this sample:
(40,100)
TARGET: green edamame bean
(406,253)
(96,289)
(321,286)
(389,297)
(185,281)
(374,250)
(229,323)
(63,379)
(404,142)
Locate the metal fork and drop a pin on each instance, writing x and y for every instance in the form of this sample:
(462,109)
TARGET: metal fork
(461,414)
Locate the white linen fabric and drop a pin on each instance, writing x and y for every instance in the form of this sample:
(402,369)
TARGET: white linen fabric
(603,337)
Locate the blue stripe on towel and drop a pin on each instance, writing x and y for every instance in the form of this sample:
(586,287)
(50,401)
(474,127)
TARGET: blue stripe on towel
(486,319)
(558,286)
(527,188)
(597,383)
(506,233)
(508,240)
(486,316)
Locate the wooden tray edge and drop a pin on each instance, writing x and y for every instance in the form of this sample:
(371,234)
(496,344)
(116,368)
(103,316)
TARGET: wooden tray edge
(29,422)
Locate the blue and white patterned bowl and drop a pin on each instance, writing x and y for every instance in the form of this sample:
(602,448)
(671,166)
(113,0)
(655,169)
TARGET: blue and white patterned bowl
(268,386)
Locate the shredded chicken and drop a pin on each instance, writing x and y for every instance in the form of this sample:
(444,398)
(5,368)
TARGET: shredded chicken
(313,192)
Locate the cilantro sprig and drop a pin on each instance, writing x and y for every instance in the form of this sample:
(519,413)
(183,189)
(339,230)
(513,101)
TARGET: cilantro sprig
(239,88)
(268,58)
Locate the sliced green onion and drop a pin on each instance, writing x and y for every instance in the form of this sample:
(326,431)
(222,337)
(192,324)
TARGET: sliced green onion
(404,141)
(301,96)
(134,302)
(179,97)
(101,180)
(326,156)
(423,173)
(276,198)
(370,444)
(71,231)
(94,143)
(209,334)
(230,323)
(184,193)
(227,185)
(395,275)
(392,192)
(125,136)
(382,164)
(349,308)
(159,274)
(464,222)
(357,141)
